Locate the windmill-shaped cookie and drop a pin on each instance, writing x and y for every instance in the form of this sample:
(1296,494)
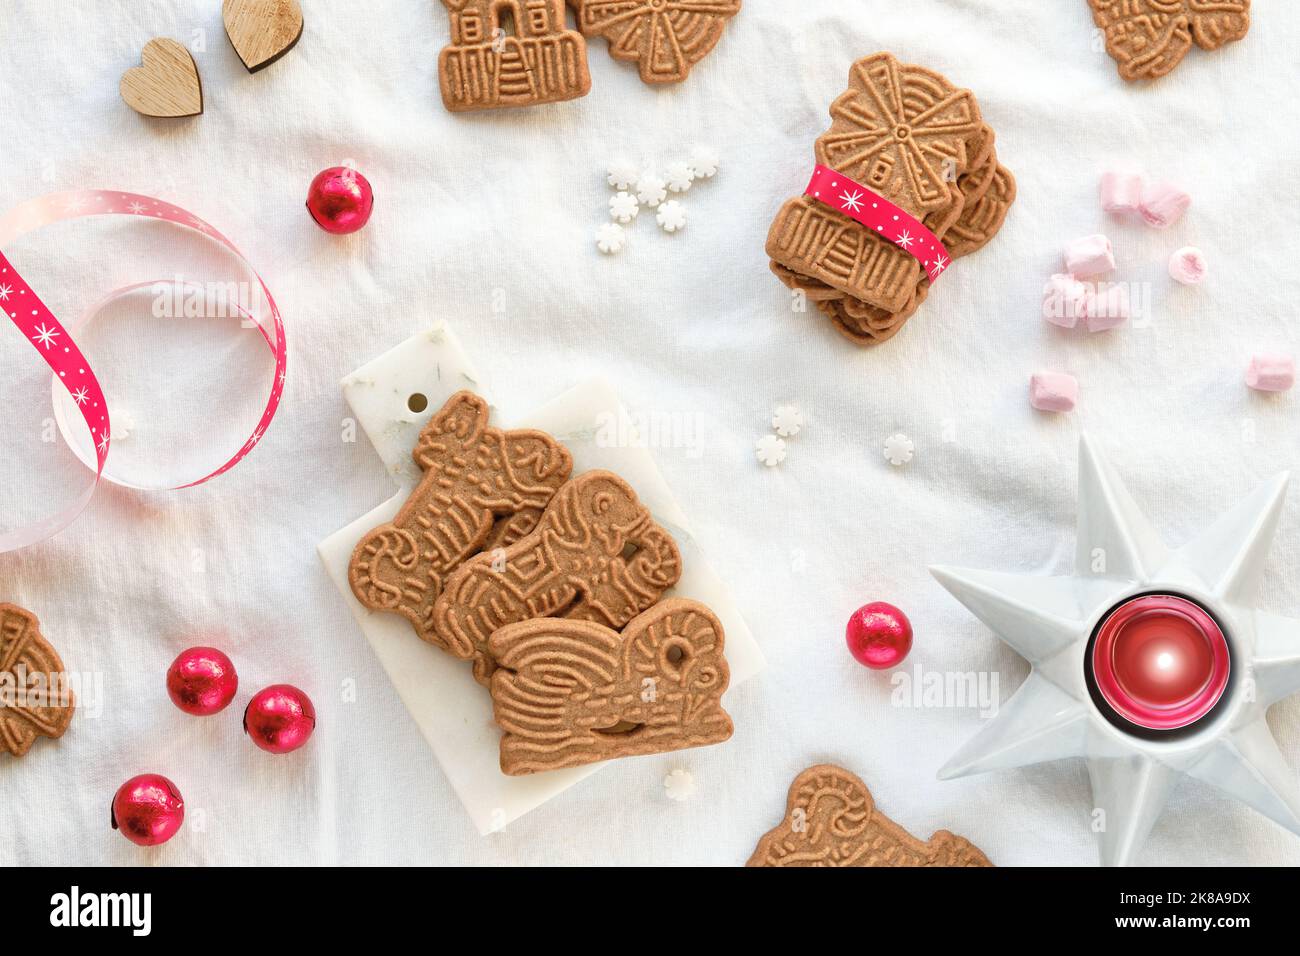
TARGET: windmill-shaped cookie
(665,38)
(904,133)
(482,488)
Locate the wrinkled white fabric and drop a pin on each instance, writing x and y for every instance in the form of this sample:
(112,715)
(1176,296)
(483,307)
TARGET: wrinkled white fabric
(488,221)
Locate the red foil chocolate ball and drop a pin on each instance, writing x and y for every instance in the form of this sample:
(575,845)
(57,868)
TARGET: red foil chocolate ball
(202,681)
(148,810)
(280,719)
(879,635)
(340,199)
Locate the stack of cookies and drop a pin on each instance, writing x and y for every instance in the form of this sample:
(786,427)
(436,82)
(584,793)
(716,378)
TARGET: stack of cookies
(905,134)
(552,587)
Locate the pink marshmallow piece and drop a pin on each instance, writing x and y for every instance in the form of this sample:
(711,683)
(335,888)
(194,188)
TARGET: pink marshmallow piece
(1089,256)
(1163,205)
(1188,266)
(1053,391)
(1064,300)
(1108,306)
(1121,192)
(1271,373)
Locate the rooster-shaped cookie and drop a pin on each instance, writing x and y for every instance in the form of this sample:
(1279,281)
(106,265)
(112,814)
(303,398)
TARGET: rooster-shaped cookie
(831,820)
(483,488)
(35,700)
(596,555)
(568,693)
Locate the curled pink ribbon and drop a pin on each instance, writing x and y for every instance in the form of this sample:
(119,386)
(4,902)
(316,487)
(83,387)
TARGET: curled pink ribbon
(881,216)
(72,373)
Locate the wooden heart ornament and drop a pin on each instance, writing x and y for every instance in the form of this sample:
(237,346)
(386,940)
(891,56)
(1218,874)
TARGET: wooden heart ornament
(166,83)
(262,31)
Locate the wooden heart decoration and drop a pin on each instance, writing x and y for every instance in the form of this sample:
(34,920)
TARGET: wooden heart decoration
(262,31)
(166,83)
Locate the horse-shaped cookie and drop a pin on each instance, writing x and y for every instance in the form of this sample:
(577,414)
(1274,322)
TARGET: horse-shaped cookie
(597,555)
(35,699)
(568,693)
(482,488)
(831,820)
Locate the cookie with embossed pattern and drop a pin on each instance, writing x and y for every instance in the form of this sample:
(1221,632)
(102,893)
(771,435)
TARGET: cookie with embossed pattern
(832,820)
(596,555)
(1149,38)
(482,489)
(35,699)
(568,693)
(506,53)
(907,134)
(989,192)
(665,38)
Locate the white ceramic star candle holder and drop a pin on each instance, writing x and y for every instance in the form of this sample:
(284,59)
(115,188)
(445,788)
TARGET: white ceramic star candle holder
(1150,663)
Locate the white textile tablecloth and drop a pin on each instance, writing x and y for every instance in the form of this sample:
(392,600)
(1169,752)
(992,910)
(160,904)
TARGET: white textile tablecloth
(487,221)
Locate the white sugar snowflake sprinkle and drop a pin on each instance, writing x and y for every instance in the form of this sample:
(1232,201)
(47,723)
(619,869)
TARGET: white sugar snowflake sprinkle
(623,207)
(704,161)
(899,449)
(770,450)
(610,238)
(679,785)
(680,177)
(622,174)
(787,420)
(671,216)
(651,190)
(45,336)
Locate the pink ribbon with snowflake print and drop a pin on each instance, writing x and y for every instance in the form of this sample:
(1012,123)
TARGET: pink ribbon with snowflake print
(54,343)
(881,216)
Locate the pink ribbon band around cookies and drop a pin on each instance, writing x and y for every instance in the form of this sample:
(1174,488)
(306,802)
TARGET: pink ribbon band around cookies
(881,216)
(54,343)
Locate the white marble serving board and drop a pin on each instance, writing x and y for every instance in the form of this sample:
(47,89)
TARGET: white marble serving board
(453,711)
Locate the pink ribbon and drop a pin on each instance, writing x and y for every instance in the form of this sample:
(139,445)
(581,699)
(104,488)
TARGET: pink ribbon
(881,216)
(53,341)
